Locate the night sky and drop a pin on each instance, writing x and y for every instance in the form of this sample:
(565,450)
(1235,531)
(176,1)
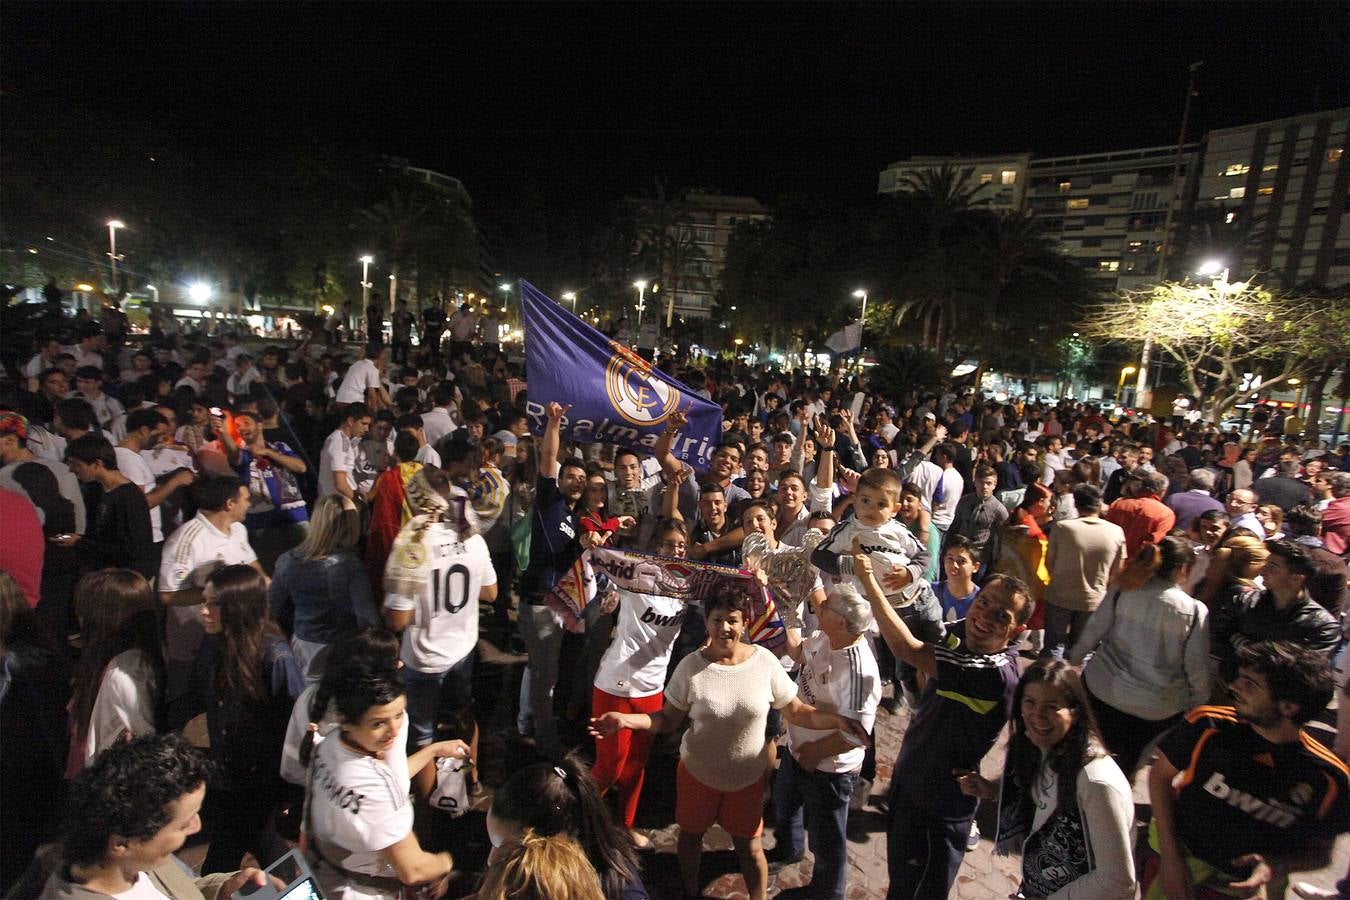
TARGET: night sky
(591,100)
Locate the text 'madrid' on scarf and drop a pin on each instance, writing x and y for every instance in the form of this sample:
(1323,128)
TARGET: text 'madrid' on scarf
(617,396)
(601,569)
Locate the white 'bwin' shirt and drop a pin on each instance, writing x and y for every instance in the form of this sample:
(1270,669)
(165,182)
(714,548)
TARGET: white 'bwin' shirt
(444,628)
(846,682)
(635,663)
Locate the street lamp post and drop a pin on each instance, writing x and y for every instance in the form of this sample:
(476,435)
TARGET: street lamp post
(365,284)
(862,319)
(113,225)
(571,297)
(151,287)
(1120,385)
(641,285)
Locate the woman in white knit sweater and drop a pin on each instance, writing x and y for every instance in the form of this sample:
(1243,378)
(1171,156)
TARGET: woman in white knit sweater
(726,691)
(1149,642)
(1064,804)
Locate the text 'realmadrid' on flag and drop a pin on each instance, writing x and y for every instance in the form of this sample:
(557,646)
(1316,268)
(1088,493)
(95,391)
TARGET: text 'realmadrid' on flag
(617,396)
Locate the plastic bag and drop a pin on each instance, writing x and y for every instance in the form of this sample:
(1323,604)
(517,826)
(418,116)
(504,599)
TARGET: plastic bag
(451,794)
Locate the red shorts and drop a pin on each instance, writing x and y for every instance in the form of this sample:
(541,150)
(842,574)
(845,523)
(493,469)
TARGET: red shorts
(698,807)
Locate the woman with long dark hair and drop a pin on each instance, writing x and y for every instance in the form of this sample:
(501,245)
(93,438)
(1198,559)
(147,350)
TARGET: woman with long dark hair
(1149,642)
(246,680)
(1064,805)
(117,684)
(563,799)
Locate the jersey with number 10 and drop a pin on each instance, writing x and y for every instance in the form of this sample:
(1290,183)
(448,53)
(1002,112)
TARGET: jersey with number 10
(444,628)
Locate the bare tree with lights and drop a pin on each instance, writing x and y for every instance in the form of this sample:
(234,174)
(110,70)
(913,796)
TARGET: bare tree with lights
(1218,332)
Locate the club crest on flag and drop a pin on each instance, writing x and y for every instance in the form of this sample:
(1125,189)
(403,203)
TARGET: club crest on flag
(616,396)
(636,395)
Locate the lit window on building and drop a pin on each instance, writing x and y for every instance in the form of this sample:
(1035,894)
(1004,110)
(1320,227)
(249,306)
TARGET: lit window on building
(1237,169)
(1009,176)
(1134,246)
(1334,154)
(1270,168)
(1078,203)
(1230,218)
(1266,191)
(1108,265)
(1064,186)
(986,178)
(1237,193)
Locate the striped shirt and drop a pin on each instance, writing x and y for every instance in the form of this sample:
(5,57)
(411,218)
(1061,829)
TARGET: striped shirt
(846,682)
(958,720)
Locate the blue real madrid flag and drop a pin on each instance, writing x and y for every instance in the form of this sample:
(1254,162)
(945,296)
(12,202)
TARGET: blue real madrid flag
(617,397)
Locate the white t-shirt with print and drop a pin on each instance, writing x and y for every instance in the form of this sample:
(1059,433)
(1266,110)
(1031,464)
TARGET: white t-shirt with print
(635,663)
(444,628)
(358,806)
(846,682)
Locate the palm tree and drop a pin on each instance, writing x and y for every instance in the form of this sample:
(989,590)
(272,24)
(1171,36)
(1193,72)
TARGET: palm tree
(936,280)
(394,221)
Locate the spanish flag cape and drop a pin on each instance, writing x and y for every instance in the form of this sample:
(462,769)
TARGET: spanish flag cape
(389,512)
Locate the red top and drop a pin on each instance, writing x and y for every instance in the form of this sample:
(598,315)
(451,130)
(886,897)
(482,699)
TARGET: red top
(22,550)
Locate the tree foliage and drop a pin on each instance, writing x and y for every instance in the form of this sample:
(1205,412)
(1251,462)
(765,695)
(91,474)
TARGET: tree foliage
(1217,332)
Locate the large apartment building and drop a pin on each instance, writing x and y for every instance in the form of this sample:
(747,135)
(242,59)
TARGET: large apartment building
(703,228)
(1108,210)
(1287,180)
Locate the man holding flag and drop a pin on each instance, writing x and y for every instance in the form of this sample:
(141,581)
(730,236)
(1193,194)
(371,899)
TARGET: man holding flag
(556,540)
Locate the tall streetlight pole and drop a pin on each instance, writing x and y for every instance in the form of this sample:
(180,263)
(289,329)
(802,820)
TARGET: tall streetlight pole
(365,285)
(1141,385)
(113,225)
(641,285)
(862,320)
(571,297)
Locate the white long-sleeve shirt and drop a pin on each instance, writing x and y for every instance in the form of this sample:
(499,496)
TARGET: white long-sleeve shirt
(1151,656)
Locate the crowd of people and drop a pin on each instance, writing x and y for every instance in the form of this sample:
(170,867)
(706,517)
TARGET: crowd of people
(314,552)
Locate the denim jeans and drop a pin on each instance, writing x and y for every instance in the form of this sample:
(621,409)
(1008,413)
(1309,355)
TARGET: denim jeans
(823,799)
(432,695)
(1062,628)
(542,633)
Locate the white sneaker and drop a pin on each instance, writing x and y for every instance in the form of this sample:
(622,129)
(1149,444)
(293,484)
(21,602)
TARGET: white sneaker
(973,840)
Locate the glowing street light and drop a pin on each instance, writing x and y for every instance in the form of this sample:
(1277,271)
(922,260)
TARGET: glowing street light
(862,319)
(641,285)
(365,281)
(113,225)
(151,287)
(571,297)
(199,292)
